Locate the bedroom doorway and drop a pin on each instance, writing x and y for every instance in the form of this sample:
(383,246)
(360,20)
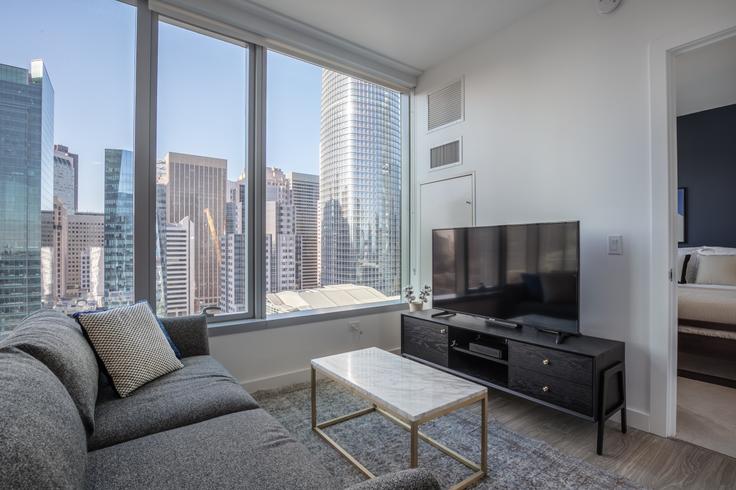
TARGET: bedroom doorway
(705,121)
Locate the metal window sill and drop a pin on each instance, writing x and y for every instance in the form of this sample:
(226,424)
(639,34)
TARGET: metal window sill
(228,327)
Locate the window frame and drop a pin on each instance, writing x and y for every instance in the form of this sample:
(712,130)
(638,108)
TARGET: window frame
(255,317)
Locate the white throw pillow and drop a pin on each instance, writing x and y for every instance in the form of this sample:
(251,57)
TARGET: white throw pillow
(717,269)
(129,342)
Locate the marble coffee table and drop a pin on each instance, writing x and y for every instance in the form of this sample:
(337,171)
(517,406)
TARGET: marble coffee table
(407,393)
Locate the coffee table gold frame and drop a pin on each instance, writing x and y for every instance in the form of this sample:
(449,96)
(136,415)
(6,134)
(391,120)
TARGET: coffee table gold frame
(413,427)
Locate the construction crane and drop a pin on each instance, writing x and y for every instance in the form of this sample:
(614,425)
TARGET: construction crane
(213,233)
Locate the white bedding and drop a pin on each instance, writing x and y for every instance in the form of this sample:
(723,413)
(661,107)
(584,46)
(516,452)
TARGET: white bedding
(707,303)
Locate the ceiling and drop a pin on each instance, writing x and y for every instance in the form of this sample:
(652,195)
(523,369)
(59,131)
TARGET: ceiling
(418,33)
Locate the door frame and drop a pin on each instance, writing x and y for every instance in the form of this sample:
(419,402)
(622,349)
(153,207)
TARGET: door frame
(663,253)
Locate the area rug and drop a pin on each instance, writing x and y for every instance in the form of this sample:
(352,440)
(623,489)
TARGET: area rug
(514,461)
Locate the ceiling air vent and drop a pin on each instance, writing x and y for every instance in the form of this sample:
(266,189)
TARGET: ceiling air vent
(443,155)
(445,106)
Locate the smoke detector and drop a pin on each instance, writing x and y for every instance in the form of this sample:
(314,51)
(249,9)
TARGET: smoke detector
(608,6)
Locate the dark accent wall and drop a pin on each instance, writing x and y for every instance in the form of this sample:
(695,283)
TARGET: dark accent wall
(706,156)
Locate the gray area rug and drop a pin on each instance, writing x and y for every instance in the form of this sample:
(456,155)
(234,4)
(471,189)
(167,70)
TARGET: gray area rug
(514,461)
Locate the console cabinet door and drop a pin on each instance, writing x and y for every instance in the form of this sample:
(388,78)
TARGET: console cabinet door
(425,340)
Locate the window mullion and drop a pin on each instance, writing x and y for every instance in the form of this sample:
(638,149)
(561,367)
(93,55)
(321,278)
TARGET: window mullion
(257,180)
(144,184)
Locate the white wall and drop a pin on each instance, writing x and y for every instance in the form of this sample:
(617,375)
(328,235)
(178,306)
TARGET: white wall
(280,356)
(706,77)
(557,128)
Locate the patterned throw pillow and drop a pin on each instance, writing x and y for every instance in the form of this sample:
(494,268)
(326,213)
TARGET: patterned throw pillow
(130,344)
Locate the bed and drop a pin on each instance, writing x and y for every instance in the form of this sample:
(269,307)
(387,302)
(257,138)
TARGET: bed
(707,332)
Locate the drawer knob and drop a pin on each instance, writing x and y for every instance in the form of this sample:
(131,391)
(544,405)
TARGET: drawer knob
(545,389)
(443,331)
(545,362)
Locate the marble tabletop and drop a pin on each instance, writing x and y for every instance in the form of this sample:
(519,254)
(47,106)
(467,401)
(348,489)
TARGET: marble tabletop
(404,387)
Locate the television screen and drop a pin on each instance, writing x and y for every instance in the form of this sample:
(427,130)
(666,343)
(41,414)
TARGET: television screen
(523,274)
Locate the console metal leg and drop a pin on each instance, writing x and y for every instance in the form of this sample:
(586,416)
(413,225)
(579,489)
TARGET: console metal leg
(599,443)
(414,445)
(314,398)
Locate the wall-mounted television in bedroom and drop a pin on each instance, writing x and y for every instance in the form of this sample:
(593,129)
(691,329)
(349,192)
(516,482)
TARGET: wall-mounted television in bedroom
(512,275)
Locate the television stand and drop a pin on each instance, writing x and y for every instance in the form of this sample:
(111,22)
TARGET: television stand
(584,376)
(559,336)
(443,314)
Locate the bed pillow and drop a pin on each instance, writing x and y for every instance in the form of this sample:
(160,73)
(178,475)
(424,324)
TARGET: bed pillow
(717,269)
(716,251)
(129,342)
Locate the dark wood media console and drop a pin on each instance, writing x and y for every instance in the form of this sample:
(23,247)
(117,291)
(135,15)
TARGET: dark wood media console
(584,376)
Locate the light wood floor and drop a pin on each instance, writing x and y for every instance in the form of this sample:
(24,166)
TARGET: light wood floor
(650,460)
(706,415)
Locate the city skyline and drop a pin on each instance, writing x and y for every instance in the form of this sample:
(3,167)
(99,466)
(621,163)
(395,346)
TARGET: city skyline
(82,99)
(75,259)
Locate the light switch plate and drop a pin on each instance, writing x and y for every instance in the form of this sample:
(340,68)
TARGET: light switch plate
(615,245)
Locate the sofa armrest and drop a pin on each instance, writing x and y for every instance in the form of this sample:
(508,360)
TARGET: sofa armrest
(189,333)
(418,479)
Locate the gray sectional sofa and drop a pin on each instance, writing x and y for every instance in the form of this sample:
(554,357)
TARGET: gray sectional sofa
(62,425)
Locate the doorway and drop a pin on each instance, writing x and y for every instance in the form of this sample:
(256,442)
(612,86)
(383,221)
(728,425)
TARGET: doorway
(663,309)
(704,80)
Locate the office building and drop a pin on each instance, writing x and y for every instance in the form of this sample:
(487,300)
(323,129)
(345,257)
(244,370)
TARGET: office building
(85,241)
(179,268)
(280,239)
(196,189)
(118,244)
(26,185)
(360,184)
(66,177)
(305,196)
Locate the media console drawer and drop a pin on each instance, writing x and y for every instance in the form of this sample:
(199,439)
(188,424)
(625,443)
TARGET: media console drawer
(564,365)
(425,340)
(573,396)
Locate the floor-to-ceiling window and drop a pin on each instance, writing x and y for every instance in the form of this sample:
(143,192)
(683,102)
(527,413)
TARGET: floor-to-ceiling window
(154,155)
(67,86)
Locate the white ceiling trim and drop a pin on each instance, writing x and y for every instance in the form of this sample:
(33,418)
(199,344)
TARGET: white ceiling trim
(257,24)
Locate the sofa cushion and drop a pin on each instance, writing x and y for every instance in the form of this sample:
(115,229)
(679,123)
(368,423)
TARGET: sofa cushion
(42,438)
(57,341)
(131,345)
(203,389)
(241,450)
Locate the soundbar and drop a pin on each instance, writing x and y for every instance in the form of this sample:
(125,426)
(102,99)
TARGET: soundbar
(485,350)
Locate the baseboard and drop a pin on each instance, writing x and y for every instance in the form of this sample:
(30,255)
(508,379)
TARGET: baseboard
(634,418)
(284,379)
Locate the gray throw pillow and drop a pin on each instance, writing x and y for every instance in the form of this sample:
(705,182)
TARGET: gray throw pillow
(57,341)
(129,342)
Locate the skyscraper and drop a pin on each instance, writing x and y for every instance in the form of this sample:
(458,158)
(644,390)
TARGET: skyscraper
(305,195)
(360,184)
(118,227)
(196,189)
(280,240)
(54,238)
(26,185)
(234,246)
(66,177)
(85,240)
(179,268)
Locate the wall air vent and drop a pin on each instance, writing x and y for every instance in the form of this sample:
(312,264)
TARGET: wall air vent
(446,105)
(444,155)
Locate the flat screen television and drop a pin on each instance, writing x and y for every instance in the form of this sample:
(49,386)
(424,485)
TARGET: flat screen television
(515,275)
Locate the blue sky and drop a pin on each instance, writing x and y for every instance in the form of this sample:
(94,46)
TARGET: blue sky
(88,47)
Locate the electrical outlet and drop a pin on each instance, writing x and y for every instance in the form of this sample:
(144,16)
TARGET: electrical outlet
(615,245)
